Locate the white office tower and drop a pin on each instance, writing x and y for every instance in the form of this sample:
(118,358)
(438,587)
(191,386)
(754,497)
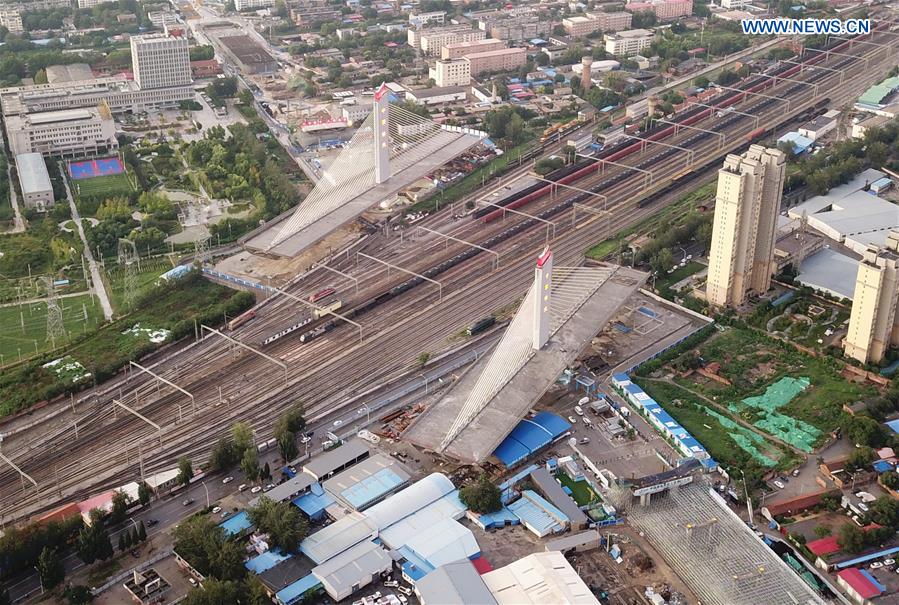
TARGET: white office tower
(160,60)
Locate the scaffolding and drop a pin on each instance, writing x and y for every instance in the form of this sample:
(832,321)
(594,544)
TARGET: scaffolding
(714,551)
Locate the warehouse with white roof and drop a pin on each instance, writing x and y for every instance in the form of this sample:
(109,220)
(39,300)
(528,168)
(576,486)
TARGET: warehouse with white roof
(37,190)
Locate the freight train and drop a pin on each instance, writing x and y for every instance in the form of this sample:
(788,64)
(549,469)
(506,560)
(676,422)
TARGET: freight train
(615,153)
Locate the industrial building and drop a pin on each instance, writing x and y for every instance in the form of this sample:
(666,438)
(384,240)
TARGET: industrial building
(545,577)
(344,533)
(547,485)
(820,126)
(873,326)
(457,582)
(66,133)
(743,234)
(538,514)
(353,569)
(368,482)
(530,436)
(851,213)
(628,42)
(34,180)
(437,96)
(663,422)
(247,54)
(328,464)
(160,61)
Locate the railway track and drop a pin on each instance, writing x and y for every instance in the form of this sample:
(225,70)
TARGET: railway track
(106,450)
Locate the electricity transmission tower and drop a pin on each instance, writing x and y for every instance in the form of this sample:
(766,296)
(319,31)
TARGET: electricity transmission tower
(56,329)
(129,261)
(202,254)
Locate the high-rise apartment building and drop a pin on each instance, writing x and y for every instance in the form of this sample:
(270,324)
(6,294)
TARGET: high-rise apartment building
(628,42)
(451,72)
(160,61)
(741,256)
(872,324)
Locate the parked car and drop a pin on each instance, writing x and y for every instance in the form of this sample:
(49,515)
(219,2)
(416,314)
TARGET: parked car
(584,440)
(227,479)
(225,514)
(216,510)
(404,590)
(391,583)
(572,419)
(192,582)
(889,561)
(241,487)
(305,439)
(778,484)
(256,489)
(578,410)
(863,507)
(152,522)
(586,420)
(269,486)
(795,472)
(876,565)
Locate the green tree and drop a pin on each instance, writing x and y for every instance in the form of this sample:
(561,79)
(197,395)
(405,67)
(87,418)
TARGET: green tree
(78,595)
(185,471)
(203,543)
(122,544)
(822,531)
(223,455)
(93,542)
(249,464)
(283,522)
(890,479)
(142,531)
(119,507)
(851,539)
(242,435)
(859,458)
(482,496)
(49,568)
(662,261)
(144,493)
(885,512)
(126,538)
(5,599)
(423,358)
(215,592)
(266,472)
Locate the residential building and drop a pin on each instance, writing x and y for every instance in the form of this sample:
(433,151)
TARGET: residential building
(733,5)
(26,6)
(462,49)
(665,10)
(163,18)
(310,12)
(818,127)
(160,61)
(433,40)
(413,36)
(436,96)
(741,257)
(520,29)
(422,19)
(862,127)
(37,190)
(242,5)
(93,3)
(584,25)
(504,59)
(66,133)
(628,42)
(873,326)
(11,19)
(451,72)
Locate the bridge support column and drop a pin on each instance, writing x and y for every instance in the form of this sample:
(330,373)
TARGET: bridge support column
(381,127)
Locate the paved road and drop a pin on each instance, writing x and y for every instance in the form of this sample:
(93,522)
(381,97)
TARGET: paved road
(96,278)
(18,220)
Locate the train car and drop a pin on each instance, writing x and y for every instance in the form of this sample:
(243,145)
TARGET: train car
(319,331)
(334,306)
(321,294)
(305,321)
(480,325)
(241,319)
(755,134)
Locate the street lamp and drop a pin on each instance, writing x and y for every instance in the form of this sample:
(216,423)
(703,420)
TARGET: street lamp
(426,382)
(207,493)
(367,411)
(39,578)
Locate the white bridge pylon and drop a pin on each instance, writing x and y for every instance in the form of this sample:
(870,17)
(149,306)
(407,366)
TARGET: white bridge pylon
(389,141)
(554,297)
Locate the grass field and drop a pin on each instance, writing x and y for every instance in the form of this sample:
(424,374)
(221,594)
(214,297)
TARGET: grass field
(580,490)
(753,361)
(25,326)
(103,352)
(150,270)
(108,186)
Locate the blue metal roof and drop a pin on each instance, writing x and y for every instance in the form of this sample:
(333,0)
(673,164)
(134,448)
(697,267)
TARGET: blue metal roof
(800,143)
(894,425)
(313,504)
(236,524)
(371,488)
(866,558)
(873,580)
(534,511)
(529,436)
(265,561)
(295,592)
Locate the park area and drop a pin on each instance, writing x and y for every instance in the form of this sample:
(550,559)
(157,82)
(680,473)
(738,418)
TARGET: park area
(747,396)
(104,186)
(25,326)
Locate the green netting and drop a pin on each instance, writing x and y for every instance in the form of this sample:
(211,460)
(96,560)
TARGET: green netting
(743,437)
(797,433)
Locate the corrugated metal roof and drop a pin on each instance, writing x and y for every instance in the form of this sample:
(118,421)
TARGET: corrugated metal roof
(337,537)
(33,175)
(328,462)
(457,582)
(409,501)
(353,566)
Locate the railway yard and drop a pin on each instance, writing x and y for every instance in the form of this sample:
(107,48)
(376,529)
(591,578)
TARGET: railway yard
(396,317)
